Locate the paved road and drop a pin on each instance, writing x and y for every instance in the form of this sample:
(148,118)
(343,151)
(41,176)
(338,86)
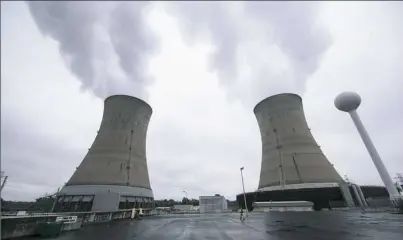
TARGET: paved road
(273,226)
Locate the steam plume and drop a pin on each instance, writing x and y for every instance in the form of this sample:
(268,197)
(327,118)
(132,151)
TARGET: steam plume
(105,45)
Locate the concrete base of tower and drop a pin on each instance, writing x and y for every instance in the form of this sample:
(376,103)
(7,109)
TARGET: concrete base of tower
(322,195)
(287,206)
(79,198)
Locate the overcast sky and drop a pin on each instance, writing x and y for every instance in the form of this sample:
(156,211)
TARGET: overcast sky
(202,67)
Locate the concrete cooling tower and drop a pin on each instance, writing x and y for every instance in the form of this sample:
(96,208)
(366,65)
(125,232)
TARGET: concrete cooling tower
(114,174)
(293,166)
(290,154)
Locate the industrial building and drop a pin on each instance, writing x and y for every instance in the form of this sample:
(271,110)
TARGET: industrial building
(212,204)
(293,167)
(114,174)
(374,197)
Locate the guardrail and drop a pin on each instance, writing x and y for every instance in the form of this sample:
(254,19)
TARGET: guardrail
(20,226)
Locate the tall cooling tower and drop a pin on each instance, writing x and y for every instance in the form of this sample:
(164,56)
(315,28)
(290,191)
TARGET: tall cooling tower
(114,172)
(290,154)
(293,165)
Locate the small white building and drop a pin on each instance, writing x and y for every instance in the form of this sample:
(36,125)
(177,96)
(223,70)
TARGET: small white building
(183,208)
(212,204)
(195,208)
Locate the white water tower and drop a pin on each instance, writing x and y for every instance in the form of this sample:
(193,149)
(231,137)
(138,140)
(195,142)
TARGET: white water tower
(349,102)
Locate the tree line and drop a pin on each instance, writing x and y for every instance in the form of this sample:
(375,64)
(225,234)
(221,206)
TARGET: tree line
(44,204)
(171,202)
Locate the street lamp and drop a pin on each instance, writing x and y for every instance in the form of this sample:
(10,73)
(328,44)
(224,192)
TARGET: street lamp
(244,195)
(186,196)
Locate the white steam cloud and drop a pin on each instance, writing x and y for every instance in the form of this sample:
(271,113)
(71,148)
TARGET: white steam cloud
(106,45)
(262,48)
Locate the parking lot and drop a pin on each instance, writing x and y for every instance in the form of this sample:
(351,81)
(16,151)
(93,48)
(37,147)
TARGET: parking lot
(284,226)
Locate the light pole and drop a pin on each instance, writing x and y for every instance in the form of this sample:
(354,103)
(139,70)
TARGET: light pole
(244,195)
(55,199)
(186,196)
(3,181)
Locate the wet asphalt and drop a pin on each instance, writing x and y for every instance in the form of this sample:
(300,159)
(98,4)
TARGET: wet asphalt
(271,226)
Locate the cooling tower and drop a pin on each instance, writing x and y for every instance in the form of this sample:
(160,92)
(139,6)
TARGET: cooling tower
(290,154)
(114,172)
(293,167)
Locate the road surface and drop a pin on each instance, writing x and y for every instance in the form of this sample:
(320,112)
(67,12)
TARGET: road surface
(273,226)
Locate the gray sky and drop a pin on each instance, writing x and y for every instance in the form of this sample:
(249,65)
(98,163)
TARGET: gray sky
(202,67)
